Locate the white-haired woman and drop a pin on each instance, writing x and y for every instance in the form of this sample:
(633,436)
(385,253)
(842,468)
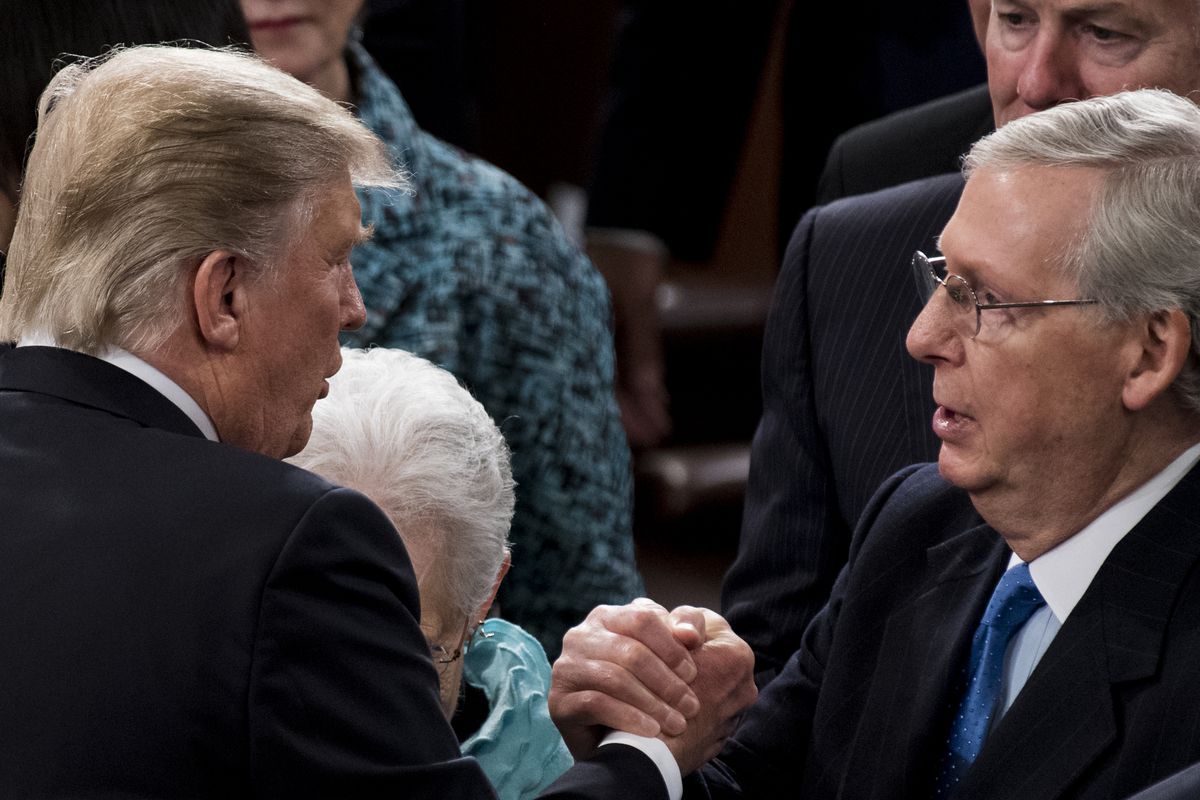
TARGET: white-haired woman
(407,435)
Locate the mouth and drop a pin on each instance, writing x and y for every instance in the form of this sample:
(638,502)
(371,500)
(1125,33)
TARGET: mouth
(324,389)
(950,424)
(279,24)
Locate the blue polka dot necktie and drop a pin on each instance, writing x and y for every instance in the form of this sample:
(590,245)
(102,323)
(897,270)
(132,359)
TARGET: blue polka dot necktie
(1012,604)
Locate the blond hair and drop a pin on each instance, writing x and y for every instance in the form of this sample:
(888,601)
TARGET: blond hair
(149,158)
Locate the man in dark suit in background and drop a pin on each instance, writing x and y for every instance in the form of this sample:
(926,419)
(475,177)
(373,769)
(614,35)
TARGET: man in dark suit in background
(843,405)
(1020,620)
(184,614)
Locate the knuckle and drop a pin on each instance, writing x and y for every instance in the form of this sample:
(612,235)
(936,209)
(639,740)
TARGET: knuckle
(604,675)
(630,654)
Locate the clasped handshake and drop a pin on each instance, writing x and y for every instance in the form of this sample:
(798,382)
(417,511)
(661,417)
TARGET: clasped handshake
(682,676)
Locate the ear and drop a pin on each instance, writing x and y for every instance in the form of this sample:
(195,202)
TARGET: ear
(487,605)
(218,293)
(1164,339)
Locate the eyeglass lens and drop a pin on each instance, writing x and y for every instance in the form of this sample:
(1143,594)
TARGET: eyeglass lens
(960,293)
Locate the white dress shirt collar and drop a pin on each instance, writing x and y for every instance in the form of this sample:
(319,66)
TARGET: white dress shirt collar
(157,380)
(1064,573)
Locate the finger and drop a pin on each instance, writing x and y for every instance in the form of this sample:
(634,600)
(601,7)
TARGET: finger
(597,659)
(579,685)
(596,708)
(648,623)
(688,625)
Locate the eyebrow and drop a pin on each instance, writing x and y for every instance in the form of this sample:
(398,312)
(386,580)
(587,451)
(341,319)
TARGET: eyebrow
(364,235)
(1124,11)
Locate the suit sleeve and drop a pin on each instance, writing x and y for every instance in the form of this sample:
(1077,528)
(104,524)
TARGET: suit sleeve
(793,539)
(343,697)
(616,771)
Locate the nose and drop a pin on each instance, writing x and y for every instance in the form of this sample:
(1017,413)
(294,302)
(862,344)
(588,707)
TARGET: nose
(1050,74)
(354,312)
(932,337)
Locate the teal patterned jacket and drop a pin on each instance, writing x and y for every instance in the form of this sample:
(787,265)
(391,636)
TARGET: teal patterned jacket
(471,271)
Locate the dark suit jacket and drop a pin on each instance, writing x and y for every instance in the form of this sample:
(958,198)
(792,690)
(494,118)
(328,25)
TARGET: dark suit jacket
(181,618)
(918,142)
(844,405)
(863,708)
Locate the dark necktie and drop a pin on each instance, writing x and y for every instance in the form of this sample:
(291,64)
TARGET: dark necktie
(1013,603)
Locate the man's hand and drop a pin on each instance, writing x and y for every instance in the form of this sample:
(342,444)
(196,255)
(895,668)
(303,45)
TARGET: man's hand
(629,668)
(625,668)
(725,687)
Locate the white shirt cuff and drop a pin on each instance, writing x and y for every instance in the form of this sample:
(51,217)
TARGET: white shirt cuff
(656,751)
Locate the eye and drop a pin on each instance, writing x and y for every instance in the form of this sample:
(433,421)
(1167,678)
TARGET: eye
(987,297)
(959,291)
(1096,32)
(1110,47)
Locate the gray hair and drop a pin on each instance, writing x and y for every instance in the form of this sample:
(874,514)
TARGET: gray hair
(1140,251)
(407,435)
(148,159)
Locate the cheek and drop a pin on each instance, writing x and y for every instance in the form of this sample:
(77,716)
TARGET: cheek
(337,18)
(1003,73)
(1014,406)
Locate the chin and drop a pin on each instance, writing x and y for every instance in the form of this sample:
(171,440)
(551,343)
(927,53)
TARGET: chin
(299,439)
(966,474)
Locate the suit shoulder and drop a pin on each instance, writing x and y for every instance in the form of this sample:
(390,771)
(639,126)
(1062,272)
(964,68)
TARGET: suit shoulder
(883,205)
(964,113)
(906,145)
(251,486)
(882,222)
(916,501)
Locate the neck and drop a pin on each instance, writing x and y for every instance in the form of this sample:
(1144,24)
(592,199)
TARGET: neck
(1044,516)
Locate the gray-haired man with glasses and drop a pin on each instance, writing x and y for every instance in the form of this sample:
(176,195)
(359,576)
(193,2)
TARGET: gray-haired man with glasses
(843,405)
(1022,619)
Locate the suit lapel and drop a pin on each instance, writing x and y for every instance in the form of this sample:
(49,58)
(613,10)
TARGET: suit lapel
(1061,726)
(922,652)
(88,381)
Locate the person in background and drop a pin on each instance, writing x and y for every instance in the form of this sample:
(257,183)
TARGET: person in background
(409,437)
(471,271)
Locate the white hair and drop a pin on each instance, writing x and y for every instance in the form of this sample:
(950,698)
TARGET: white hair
(405,433)
(147,160)
(1140,251)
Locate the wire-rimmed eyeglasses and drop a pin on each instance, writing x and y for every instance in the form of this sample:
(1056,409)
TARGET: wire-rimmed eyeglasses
(444,655)
(931,270)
